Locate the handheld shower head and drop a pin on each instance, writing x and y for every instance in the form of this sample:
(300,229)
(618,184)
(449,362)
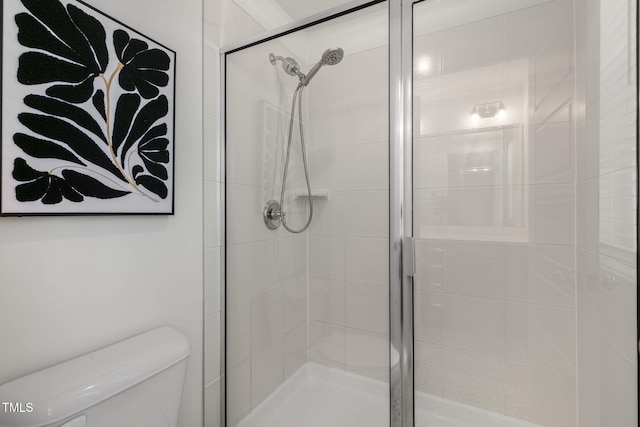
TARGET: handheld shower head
(332,56)
(329,57)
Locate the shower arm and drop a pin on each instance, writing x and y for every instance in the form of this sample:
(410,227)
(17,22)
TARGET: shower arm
(289,65)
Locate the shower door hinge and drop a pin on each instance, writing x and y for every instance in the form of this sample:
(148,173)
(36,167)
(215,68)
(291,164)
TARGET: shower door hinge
(408,256)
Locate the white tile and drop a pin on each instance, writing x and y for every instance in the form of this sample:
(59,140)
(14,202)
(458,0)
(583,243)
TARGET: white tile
(429,368)
(428,211)
(551,66)
(474,269)
(553,151)
(243,282)
(429,265)
(327,257)
(211,281)
(326,108)
(295,349)
(617,304)
(212,214)
(211,149)
(327,168)
(267,320)
(368,354)
(589,408)
(238,333)
(253,158)
(244,221)
(522,29)
(427,107)
(479,210)
(367,307)
(619,390)
(227,23)
(463,89)
(474,379)
(212,404)
(238,392)
(327,300)
(329,216)
(541,275)
(367,166)
(428,162)
(364,75)
(292,257)
(295,303)
(587,286)
(541,335)
(368,213)
(212,82)
(474,324)
(592,141)
(212,347)
(327,126)
(240,93)
(428,314)
(327,344)
(267,371)
(470,45)
(427,54)
(588,214)
(541,395)
(367,260)
(474,159)
(553,214)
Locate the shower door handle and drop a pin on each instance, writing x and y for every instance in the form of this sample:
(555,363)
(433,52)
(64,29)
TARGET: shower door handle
(409,256)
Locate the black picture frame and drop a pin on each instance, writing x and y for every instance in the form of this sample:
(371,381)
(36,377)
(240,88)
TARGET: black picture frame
(88,113)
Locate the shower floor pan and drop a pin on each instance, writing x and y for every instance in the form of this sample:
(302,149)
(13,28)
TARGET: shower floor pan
(317,396)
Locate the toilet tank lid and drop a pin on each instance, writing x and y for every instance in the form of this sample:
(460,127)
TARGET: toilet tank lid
(63,390)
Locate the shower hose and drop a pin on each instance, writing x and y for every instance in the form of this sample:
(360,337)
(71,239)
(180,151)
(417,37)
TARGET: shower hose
(297,95)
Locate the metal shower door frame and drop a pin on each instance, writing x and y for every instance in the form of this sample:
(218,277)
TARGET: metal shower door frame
(401,242)
(401,245)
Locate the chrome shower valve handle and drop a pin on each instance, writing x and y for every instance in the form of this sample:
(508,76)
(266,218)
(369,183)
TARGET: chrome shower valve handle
(272,214)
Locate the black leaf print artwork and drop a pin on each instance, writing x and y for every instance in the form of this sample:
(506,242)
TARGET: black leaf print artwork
(143,69)
(71,48)
(95,131)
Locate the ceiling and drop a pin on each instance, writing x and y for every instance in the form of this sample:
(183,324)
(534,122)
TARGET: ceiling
(429,16)
(300,9)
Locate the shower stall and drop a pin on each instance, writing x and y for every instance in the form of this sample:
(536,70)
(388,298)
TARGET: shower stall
(431,217)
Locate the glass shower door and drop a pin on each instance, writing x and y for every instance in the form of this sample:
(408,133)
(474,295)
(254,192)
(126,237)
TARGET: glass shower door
(494,188)
(307,323)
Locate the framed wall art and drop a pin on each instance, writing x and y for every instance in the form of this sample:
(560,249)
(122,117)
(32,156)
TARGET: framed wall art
(87,113)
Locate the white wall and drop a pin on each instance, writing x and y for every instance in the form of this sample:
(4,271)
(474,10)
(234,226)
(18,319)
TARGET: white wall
(70,285)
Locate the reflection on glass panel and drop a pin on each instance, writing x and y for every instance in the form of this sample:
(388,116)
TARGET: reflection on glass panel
(494,212)
(478,189)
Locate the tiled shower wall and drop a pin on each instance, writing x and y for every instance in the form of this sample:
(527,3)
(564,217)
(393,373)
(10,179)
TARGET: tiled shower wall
(224,23)
(494,212)
(348,240)
(266,269)
(606,213)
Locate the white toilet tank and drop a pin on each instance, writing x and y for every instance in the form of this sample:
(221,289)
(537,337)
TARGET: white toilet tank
(134,383)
